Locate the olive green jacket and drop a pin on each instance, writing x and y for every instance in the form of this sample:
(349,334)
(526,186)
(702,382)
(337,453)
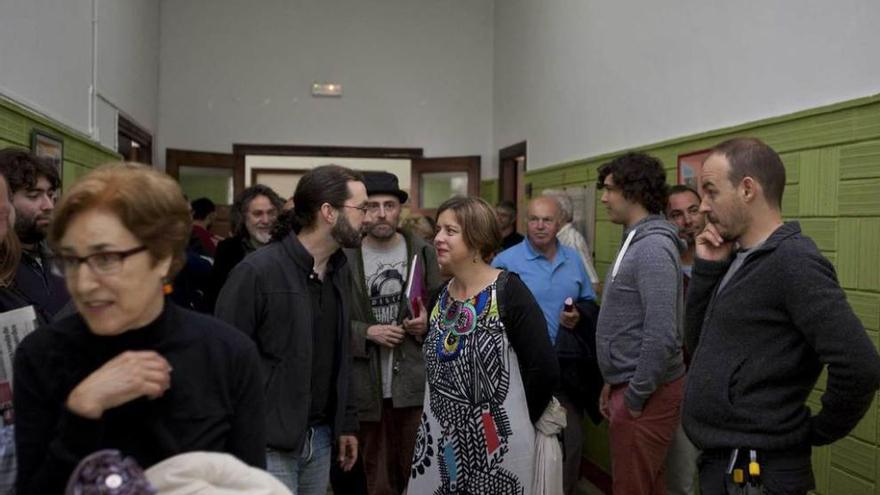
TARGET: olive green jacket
(408,384)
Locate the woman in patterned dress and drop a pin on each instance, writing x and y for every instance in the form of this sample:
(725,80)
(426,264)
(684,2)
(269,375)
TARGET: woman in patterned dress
(489,365)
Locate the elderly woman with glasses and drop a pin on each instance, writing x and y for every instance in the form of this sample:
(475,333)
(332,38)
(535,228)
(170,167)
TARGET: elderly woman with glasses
(131,371)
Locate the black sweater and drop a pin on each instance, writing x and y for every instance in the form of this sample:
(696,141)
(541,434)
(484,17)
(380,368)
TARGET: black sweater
(761,343)
(215,402)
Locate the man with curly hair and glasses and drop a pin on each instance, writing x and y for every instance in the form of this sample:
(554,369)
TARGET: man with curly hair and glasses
(639,331)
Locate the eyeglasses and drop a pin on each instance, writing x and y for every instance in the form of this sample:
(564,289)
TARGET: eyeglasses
(363,209)
(373,207)
(103,263)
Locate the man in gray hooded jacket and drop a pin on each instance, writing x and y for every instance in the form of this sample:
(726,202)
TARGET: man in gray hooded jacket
(639,332)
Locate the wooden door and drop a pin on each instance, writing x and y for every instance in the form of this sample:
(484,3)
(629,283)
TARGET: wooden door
(206,174)
(434,180)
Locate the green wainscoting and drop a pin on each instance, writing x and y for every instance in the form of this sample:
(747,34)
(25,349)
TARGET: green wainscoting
(80,154)
(832,159)
(489,191)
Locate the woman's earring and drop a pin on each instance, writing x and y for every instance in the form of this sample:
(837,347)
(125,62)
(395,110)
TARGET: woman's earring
(167,288)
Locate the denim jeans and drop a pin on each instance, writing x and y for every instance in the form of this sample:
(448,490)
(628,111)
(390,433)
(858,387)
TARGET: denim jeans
(306,472)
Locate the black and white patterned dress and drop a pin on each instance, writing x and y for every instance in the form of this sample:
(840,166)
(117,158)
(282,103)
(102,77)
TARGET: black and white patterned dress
(475,436)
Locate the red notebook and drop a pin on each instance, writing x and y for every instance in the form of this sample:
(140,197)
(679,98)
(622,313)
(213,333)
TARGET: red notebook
(415,287)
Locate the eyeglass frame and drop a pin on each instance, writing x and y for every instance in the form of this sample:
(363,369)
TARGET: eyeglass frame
(65,265)
(363,209)
(375,206)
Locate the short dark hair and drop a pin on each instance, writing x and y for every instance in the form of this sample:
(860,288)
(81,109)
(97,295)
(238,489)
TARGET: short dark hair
(237,213)
(641,178)
(479,227)
(506,205)
(23,169)
(751,157)
(324,184)
(201,208)
(684,188)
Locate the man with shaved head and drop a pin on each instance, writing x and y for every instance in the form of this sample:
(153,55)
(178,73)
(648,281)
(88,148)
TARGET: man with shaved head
(765,316)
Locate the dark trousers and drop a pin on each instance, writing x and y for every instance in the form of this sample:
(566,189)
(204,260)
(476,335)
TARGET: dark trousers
(782,472)
(573,445)
(388,448)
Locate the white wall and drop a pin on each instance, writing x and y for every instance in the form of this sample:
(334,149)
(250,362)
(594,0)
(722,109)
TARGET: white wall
(415,73)
(46,56)
(578,78)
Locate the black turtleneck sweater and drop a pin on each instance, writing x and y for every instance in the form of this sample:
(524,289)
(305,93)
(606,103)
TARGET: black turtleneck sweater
(215,402)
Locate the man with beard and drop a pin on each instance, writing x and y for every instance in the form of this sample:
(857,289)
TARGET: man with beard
(252,216)
(389,370)
(683,209)
(33,183)
(766,314)
(293,298)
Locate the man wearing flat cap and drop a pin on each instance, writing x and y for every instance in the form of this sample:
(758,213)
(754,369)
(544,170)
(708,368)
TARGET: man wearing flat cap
(388,372)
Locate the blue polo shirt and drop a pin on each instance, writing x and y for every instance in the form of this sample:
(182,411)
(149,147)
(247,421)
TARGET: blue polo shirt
(550,282)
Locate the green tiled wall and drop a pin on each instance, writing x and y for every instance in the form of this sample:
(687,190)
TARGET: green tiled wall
(80,154)
(832,159)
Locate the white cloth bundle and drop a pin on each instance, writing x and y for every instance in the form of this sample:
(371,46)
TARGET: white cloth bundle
(548,452)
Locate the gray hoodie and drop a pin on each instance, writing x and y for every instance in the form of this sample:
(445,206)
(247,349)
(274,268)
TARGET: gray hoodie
(640,327)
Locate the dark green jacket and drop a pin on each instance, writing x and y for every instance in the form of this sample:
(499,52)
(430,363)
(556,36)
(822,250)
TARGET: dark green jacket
(408,385)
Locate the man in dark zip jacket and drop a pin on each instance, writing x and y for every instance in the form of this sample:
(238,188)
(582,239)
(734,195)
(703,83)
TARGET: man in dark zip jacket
(292,298)
(764,314)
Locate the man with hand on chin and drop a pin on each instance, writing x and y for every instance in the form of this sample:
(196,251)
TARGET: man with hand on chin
(765,314)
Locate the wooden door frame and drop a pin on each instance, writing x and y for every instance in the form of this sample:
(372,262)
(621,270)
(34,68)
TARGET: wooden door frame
(241,151)
(469,164)
(175,158)
(522,193)
(134,132)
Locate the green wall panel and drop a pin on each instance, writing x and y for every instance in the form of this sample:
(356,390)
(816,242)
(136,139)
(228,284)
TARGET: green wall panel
(489,191)
(822,230)
(860,161)
(792,162)
(866,305)
(818,182)
(858,259)
(791,201)
(860,198)
(80,154)
(841,482)
(855,456)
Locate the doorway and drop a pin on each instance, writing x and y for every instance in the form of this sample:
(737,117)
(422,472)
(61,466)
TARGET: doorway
(511,179)
(209,175)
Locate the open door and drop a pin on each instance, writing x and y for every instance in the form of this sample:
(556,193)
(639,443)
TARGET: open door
(434,180)
(206,174)
(511,180)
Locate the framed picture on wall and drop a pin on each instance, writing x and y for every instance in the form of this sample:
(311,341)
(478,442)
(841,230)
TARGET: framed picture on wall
(689,167)
(50,146)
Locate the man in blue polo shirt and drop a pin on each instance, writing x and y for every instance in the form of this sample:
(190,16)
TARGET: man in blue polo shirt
(553,273)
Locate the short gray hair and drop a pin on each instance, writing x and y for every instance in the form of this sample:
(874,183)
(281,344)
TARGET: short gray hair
(566,209)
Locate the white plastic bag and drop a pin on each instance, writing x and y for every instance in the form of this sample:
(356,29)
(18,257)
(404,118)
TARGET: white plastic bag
(548,452)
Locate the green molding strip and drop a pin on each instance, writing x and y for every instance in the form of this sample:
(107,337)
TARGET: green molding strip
(832,160)
(80,153)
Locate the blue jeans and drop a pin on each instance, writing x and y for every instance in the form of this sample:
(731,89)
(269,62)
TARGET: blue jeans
(306,472)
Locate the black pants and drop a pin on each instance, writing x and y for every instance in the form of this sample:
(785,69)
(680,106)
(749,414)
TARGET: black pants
(782,472)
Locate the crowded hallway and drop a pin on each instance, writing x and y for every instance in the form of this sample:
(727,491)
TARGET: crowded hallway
(408,246)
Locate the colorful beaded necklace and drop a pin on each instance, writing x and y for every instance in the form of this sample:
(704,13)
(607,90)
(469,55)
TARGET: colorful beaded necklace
(458,319)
